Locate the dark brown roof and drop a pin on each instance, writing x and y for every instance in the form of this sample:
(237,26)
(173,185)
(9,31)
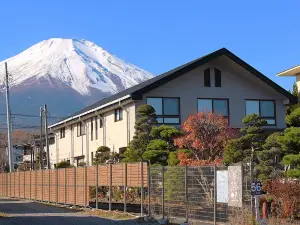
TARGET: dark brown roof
(138,90)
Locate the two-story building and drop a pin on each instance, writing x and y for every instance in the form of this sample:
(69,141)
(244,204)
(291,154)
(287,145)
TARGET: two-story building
(219,82)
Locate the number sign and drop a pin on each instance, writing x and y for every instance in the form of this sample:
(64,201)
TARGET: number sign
(256,188)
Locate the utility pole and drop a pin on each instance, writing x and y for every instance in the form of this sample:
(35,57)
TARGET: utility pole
(41,140)
(46,137)
(8,115)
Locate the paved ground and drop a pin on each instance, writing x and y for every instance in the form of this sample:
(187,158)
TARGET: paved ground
(27,213)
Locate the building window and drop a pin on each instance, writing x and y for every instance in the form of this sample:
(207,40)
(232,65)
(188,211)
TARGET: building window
(80,129)
(218,106)
(92,128)
(118,114)
(62,132)
(96,128)
(167,109)
(217,78)
(207,77)
(264,108)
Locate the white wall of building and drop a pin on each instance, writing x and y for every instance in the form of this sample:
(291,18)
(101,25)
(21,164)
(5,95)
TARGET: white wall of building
(113,134)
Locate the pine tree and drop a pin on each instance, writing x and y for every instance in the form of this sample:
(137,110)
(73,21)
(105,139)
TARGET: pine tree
(102,154)
(251,141)
(145,118)
(269,166)
(291,108)
(292,161)
(162,144)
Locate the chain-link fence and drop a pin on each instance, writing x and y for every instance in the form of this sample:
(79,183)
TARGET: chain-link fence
(188,194)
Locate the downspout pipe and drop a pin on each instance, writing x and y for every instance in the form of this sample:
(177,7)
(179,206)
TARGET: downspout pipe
(72,145)
(103,129)
(128,121)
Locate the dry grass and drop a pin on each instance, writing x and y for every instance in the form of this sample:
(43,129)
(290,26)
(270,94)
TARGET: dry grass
(115,215)
(278,221)
(241,216)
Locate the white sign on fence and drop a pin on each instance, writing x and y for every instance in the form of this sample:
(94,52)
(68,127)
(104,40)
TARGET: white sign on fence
(222,186)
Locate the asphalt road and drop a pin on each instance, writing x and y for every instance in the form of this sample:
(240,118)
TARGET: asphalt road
(27,213)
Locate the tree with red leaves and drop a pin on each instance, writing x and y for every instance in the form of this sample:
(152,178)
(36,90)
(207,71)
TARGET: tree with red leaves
(205,134)
(287,194)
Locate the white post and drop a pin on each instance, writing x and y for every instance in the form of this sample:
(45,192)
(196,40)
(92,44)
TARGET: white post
(87,151)
(72,145)
(257,215)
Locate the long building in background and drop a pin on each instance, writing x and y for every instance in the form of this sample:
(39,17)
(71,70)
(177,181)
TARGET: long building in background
(220,82)
(292,72)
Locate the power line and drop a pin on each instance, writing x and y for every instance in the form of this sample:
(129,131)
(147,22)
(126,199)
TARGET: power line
(28,115)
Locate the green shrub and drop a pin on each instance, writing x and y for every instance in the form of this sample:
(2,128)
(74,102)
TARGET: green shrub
(64,164)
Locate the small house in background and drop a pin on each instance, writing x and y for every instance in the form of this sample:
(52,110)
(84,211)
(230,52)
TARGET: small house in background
(292,72)
(36,147)
(219,82)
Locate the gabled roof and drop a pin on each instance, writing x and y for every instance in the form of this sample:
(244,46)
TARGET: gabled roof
(136,92)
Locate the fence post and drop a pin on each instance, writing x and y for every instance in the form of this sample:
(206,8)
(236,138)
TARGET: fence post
(30,184)
(142,188)
(65,186)
(149,188)
(215,194)
(19,185)
(125,187)
(97,185)
(10,192)
(24,185)
(163,191)
(186,194)
(15,184)
(49,180)
(56,172)
(35,189)
(85,188)
(74,186)
(110,186)
(42,185)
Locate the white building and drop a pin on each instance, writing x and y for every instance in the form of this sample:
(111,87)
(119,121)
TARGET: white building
(219,82)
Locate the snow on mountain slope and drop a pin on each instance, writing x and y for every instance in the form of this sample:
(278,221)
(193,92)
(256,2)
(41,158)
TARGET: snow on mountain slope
(78,64)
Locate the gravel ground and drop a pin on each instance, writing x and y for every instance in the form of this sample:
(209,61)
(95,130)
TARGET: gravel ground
(27,213)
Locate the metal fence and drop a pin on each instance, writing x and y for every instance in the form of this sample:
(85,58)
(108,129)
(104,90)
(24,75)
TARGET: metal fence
(184,193)
(188,194)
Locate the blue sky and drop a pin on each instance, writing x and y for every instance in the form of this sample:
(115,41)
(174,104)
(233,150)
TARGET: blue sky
(159,35)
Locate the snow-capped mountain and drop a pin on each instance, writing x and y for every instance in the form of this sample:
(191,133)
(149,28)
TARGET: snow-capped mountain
(67,74)
(80,64)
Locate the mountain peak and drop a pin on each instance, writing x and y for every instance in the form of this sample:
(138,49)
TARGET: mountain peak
(79,64)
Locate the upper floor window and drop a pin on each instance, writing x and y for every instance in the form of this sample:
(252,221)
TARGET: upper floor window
(80,129)
(264,108)
(167,109)
(118,114)
(62,132)
(217,78)
(218,106)
(207,77)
